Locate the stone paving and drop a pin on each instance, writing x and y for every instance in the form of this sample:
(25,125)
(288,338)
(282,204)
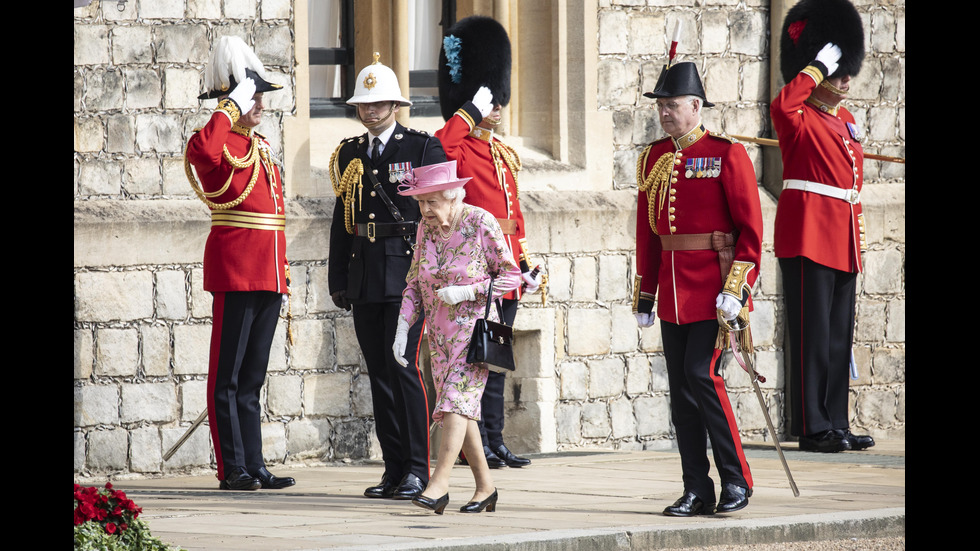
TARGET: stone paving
(586,499)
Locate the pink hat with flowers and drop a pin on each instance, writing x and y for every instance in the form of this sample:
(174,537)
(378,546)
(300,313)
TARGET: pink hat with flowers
(430,178)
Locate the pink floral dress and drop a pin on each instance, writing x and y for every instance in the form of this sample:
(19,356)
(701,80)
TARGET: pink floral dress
(470,255)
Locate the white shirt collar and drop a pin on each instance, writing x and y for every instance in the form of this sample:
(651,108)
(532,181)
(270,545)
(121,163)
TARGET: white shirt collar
(384,136)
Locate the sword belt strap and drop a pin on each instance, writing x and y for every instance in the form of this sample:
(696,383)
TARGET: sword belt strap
(380,190)
(852,196)
(508,225)
(372,230)
(721,242)
(248,220)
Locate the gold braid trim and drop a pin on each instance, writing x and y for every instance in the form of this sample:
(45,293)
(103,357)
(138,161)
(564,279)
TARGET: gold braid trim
(743,336)
(737,284)
(345,185)
(237,164)
(502,151)
(655,184)
(636,292)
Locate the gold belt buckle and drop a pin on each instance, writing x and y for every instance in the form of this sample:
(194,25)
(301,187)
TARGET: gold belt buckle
(371,231)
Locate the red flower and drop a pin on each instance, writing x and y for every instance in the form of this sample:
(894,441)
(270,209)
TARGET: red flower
(110,528)
(108,485)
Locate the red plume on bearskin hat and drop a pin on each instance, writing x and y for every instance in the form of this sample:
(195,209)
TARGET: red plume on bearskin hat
(475,52)
(811,24)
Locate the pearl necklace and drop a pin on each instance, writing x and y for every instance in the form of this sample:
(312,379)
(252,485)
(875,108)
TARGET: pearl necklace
(446,236)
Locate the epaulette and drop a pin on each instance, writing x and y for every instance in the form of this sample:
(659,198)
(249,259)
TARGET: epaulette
(419,132)
(722,136)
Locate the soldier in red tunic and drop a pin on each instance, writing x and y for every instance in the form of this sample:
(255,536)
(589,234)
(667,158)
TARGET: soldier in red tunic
(233,171)
(698,244)
(475,63)
(819,233)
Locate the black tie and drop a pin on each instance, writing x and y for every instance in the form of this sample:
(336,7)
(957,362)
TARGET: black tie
(376,151)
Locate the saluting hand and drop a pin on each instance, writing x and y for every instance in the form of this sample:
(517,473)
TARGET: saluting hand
(829,55)
(242,95)
(483,100)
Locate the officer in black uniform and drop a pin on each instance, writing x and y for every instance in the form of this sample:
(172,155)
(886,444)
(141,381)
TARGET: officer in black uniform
(371,241)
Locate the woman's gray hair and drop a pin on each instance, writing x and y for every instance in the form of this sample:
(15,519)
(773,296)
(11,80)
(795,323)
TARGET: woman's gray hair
(455,194)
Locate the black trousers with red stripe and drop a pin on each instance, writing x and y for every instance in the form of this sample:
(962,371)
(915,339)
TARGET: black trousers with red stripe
(243,326)
(401,408)
(492,403)
(820,304)
(699,407)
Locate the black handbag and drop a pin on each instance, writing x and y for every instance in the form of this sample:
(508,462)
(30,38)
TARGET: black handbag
(492,343)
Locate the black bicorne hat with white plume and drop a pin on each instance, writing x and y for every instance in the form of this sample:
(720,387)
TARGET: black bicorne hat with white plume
(231,62)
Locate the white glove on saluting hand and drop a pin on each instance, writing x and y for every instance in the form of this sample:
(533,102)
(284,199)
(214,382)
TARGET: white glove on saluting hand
(454,294)
(242,95)
(728,305)
(645,320)
(483,100)
(829,55)
(401,342)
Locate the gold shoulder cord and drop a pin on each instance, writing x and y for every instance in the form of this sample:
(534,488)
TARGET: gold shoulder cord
(655,183)
(345,185)
(502,151)
(237,164)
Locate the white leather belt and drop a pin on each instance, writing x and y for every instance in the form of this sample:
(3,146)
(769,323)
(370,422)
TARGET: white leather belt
(851,196)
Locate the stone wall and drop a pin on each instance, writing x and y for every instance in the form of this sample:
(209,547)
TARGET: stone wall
(141,317)
(588,376)
(612,378)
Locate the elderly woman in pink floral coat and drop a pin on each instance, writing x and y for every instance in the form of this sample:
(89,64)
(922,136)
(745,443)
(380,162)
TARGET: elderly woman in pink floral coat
(459,248)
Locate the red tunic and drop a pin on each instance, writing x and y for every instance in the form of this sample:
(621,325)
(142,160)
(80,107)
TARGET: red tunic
(817,147)
(689,280)
(239,258)
(494,186)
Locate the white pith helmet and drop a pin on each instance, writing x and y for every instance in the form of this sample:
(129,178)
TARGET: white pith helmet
(377,82)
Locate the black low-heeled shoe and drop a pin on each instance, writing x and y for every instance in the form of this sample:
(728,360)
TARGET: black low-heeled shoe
(490,504)
(272,482)
(437,506)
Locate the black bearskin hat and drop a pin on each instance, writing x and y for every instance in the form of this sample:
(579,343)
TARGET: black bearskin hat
(478,55)
(811,24)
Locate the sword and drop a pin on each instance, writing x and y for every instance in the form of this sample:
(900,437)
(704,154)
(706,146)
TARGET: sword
(744,360)
(197,422)
(775,143)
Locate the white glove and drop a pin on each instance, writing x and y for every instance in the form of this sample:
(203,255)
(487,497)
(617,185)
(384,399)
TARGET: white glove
(401,342)
(729,306)
(483,100)
(532,282)
(645,320)
(454,294)
(242,95)
(829,55)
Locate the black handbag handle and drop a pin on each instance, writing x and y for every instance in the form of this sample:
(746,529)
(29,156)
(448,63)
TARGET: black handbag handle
(500,307)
